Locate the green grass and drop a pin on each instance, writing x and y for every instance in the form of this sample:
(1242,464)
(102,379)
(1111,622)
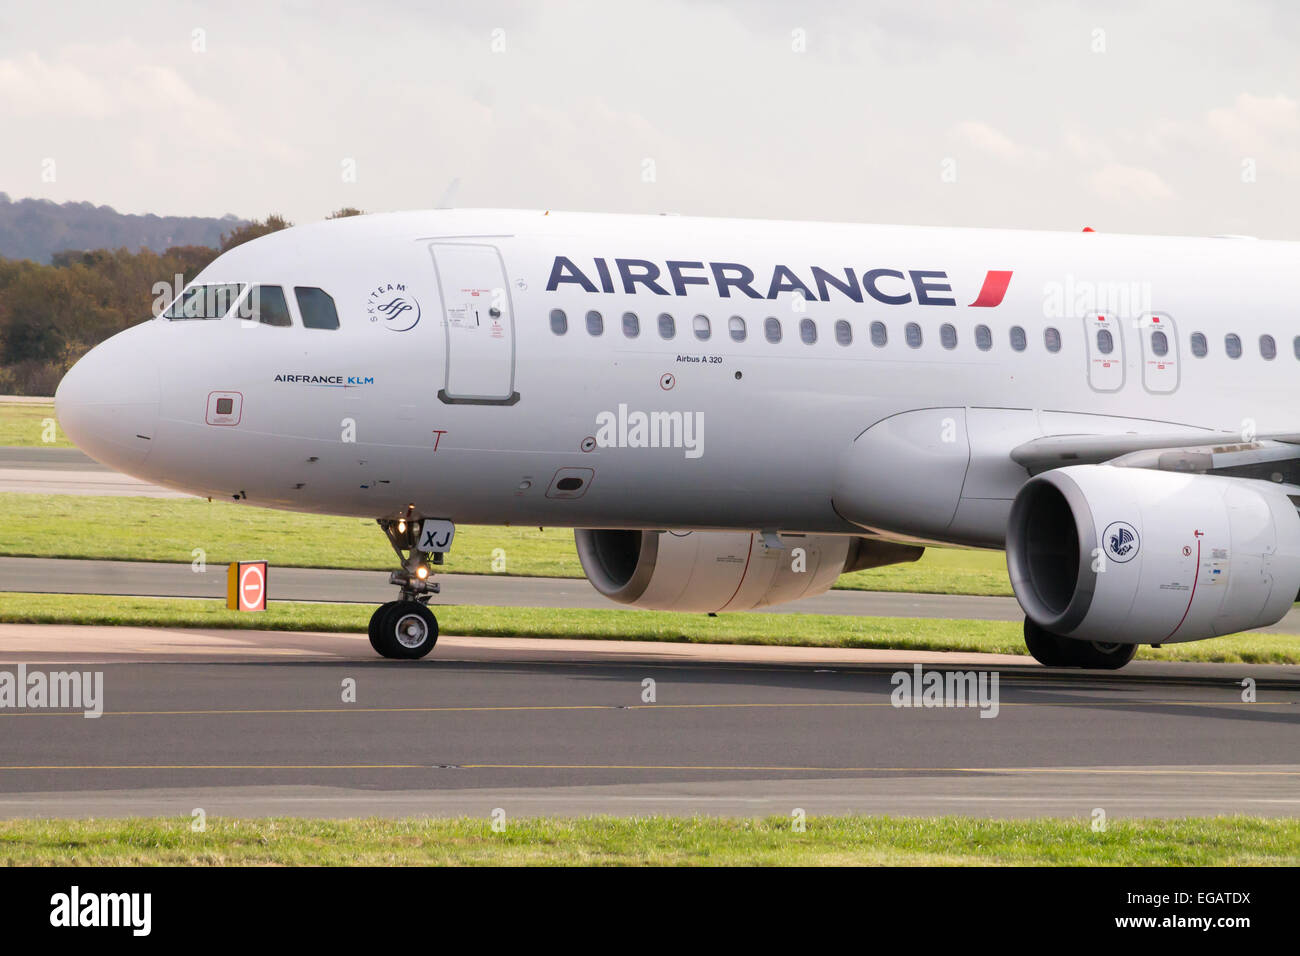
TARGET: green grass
(658,840)
(167,529)
(802,630)
(163,529)
(25,425)
(939,571)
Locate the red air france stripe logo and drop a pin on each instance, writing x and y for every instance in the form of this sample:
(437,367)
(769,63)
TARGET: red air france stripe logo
(993,290)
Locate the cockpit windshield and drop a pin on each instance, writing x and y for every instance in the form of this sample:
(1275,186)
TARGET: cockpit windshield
(204,302)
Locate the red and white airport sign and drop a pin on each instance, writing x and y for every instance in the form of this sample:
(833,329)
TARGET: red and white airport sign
(246,586)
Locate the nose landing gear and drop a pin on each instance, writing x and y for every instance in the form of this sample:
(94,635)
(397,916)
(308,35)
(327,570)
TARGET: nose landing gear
(406,629)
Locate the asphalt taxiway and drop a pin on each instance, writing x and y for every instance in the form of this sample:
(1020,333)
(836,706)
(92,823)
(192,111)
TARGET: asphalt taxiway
(147,579)
(68,471)
(254,723)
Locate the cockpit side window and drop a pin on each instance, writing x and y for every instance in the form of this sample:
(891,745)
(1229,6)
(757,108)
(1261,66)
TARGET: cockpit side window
(204,302)
(266,304)
(317,308)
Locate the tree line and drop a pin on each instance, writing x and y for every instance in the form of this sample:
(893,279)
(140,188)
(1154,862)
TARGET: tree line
(51,315)
(38,228)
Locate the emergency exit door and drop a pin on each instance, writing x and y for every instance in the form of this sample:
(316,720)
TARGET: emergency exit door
(1160,358)
(1104,336)
(479,322)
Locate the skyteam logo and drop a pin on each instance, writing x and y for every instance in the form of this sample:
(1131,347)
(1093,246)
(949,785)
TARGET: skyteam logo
(1122,541)
(394,306)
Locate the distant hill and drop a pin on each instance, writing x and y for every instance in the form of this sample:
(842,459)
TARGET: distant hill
(37,228)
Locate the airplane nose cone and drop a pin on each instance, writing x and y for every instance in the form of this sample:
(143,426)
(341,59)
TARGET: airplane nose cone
(107,403)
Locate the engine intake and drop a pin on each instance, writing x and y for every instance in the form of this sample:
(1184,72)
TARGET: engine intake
(722,570)
(1132,556)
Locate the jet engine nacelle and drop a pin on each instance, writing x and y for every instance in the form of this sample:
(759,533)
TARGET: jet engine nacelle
(1130,556)
(723,571)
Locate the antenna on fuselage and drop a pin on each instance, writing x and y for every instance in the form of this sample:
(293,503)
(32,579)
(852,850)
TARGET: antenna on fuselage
(448,200)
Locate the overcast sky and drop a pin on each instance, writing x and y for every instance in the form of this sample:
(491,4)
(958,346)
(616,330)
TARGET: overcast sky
(1161,117)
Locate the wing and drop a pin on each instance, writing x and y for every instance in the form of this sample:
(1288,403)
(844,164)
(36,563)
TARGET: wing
(1274,457)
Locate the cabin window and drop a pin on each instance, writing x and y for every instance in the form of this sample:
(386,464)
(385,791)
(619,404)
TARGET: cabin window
(702,328)
(843,332)
(1232,342)
(1159,344)
(983,338)
(667,326)
(948,335)
(1201,348)
(631,325)
(808,331)
(1018,340)
(736,328)
(1267,347)
(204,302)
(595,323)
(559,321)
(265,305)
(317,308)
(1105,341)
(879,335)
(912,335)
(772,329)
(1052,339)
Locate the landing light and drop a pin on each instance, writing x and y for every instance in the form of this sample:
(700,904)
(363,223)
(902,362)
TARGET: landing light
(401,527)
(422,572)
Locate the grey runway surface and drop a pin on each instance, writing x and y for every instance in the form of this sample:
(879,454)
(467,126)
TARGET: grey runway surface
(47,459)
(252,723)
(70,576)
(67,471)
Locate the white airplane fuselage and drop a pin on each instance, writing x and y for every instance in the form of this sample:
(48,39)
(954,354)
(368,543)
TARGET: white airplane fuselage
(438,404)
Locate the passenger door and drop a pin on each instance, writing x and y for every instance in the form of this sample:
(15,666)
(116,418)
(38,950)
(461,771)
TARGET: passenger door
(479,321)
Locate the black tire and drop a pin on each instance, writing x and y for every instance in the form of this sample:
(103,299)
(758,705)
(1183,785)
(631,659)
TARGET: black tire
(404,630)
(1097,655)
(1045,647)
(374,624)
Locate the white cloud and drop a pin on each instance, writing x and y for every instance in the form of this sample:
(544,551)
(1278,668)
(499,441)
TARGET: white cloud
(1089,148)
(1116,182)
(31,86)
(1254,120)
(989,140)
(1047,133)
(87,82)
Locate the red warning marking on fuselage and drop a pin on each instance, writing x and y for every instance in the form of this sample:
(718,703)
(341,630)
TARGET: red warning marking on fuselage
(993,290)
